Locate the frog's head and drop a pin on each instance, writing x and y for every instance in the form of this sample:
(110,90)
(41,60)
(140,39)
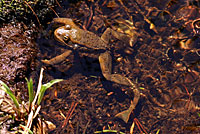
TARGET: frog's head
(196,26)
(65,33)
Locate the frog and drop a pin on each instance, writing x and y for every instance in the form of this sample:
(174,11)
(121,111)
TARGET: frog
(70,31)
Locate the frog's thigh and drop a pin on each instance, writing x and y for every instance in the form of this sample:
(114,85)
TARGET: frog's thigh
(106,36)
(58,58)
(105,60)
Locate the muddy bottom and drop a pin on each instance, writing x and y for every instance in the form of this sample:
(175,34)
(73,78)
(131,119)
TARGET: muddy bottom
(163,63)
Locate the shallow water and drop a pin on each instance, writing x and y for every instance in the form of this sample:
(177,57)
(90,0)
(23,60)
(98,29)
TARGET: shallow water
(163,63)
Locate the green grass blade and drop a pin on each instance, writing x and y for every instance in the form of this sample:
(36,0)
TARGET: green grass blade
(30,90)
(45,87)
(30,132)
(9,92)
(108,131)
(158,131)
(11,2)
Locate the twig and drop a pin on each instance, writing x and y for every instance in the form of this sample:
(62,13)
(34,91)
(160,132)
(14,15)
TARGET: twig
(58,4)
(90,18)
(84,131)
(69,114)
(34,14)
(54,11)
(140,126)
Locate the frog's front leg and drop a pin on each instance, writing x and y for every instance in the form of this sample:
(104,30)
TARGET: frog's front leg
(105,61)
(58,58)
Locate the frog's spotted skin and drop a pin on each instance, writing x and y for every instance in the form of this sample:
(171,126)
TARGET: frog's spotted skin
(77,35)
(64,32)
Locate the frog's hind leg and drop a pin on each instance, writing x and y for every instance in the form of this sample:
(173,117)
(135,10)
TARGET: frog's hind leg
(105,60)
(58,58)
(106,36)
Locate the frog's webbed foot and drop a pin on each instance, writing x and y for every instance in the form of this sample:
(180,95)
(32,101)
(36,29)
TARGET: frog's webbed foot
(105,60)
(58,58)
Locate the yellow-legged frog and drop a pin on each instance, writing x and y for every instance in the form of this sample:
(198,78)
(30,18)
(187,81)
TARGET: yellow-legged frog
(71,31)
(90,40)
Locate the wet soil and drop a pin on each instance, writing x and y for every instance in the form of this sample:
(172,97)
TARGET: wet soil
(18,52)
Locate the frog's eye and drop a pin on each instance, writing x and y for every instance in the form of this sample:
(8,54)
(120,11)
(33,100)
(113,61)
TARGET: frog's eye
(67,27)
(196,26)
(66,37)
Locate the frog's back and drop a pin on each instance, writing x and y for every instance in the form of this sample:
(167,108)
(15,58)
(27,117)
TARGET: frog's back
(90,40)
(78,35)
